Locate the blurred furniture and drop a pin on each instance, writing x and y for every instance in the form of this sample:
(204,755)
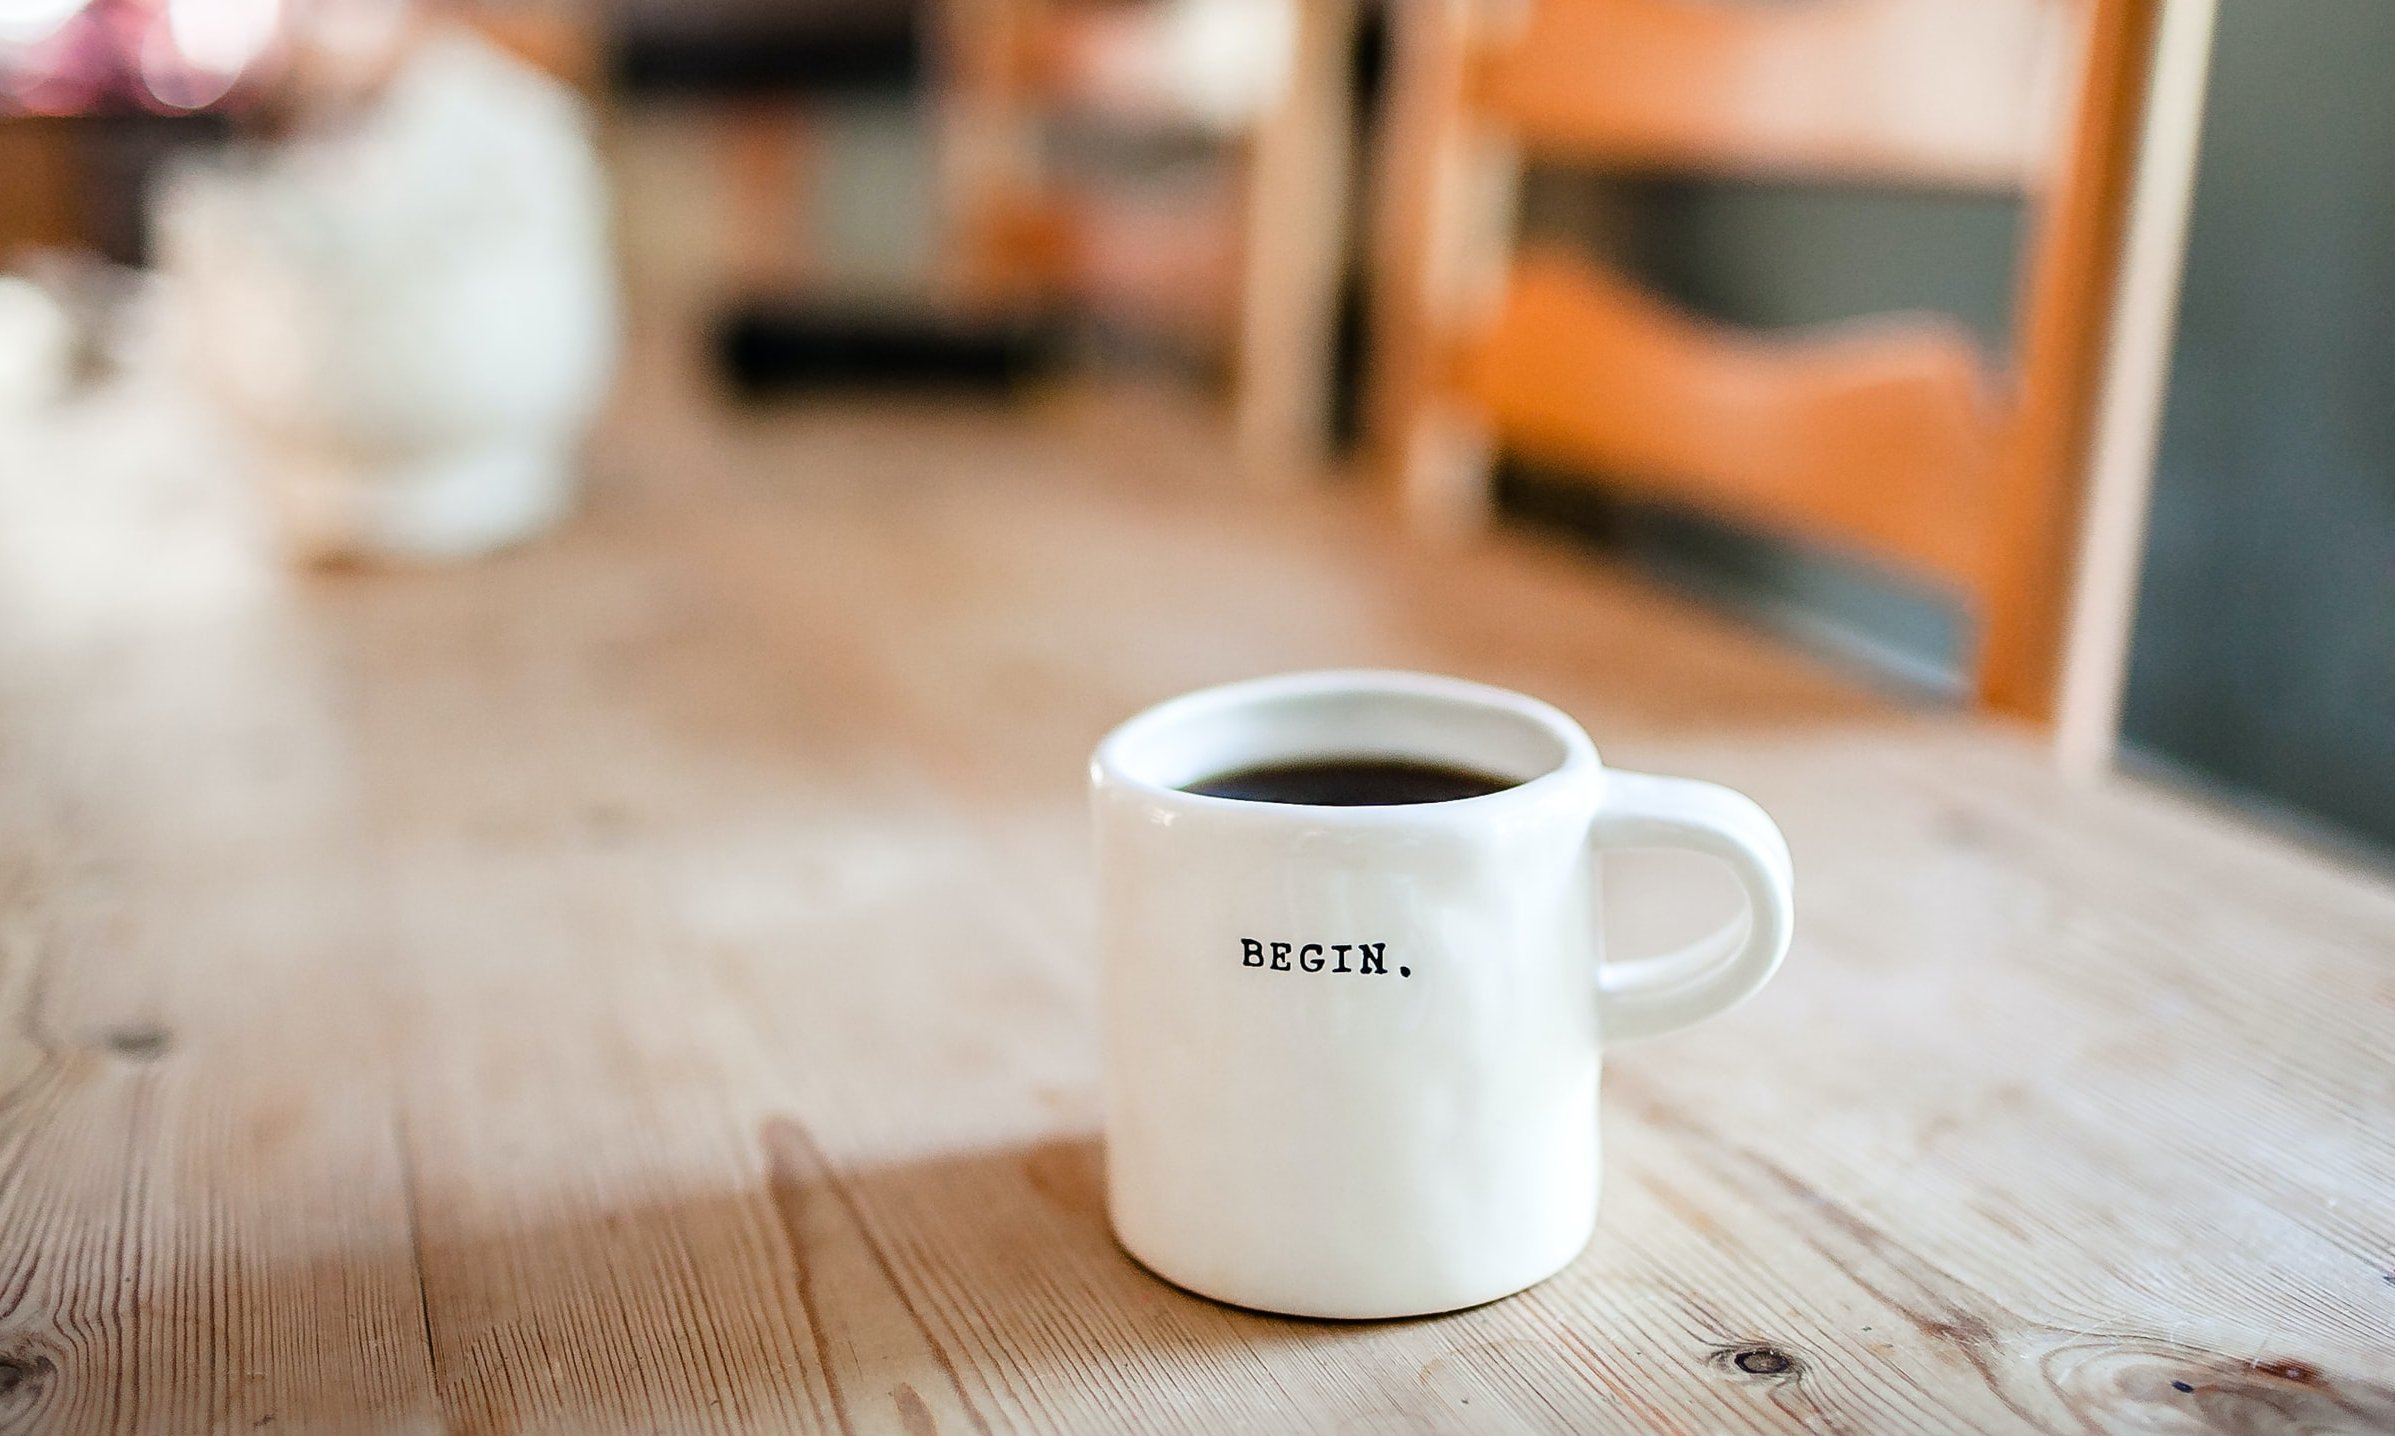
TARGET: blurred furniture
(793,137)
(38,183)
(409,317)
(80,182)
(1895,439)
(2124,448)
(1267,78)
(644,985)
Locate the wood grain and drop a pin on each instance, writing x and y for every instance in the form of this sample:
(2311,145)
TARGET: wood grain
(642,983)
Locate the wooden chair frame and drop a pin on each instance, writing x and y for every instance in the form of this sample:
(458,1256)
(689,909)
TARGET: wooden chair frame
(1016,232)
(1894,439)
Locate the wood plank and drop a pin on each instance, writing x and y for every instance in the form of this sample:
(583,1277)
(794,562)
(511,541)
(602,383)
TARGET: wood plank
(1882,436)
(204,1221)
(641,983)
(1940,92)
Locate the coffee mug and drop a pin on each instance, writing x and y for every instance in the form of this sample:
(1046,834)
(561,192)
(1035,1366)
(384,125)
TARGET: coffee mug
(1353,998)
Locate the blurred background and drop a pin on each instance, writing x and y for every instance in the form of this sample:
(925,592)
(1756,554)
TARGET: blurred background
(396,260)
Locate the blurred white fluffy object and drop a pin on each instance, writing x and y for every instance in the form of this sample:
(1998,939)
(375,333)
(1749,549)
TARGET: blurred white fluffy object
(1230,58)
(1219,63)
(411,315)
(37,347)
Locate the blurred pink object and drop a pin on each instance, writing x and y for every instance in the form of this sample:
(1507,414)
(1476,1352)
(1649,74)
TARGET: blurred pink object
(410,315)
(168,56)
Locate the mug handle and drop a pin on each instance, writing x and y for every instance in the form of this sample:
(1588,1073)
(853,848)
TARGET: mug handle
(1649,995)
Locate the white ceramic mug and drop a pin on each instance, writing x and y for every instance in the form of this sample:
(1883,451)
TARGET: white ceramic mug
(1410,1125)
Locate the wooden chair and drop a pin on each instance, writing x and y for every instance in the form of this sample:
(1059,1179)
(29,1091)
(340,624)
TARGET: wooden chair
(1264,267)
(1895,439)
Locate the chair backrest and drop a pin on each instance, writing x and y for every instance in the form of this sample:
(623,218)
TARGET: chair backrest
(1894,438)
(1259,265)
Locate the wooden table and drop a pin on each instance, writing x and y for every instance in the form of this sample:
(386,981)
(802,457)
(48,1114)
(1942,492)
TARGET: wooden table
(642,983)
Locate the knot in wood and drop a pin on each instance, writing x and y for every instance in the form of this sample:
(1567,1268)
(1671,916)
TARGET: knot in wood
(23,1376)
(137,1041)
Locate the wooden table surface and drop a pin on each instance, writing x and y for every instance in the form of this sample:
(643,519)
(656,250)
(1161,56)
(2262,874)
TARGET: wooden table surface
(643,983)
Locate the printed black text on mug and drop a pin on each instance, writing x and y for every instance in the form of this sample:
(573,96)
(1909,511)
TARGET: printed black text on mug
(1370,958)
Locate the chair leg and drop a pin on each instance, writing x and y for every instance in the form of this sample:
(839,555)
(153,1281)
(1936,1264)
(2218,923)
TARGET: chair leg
(990,179)
(1295,249)
(1440,241)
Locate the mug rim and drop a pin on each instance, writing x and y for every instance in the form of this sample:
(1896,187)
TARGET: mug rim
(1578,764)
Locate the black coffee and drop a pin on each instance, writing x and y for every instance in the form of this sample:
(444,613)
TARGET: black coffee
(1350,783)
